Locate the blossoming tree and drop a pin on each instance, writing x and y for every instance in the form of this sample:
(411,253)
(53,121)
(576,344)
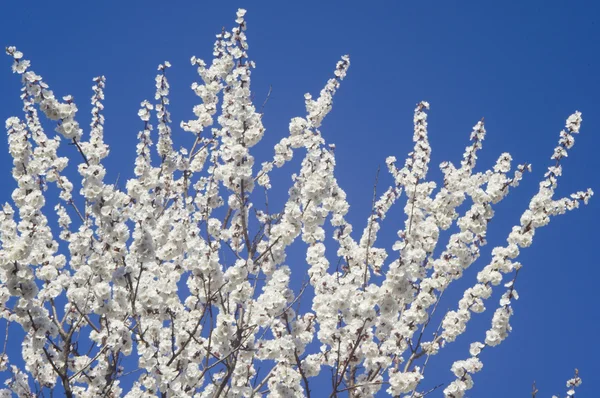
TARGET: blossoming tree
(185,270)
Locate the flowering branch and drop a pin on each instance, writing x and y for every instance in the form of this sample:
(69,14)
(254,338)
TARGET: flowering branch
(189,273)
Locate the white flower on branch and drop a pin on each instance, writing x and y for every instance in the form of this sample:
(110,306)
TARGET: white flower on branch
(191,271)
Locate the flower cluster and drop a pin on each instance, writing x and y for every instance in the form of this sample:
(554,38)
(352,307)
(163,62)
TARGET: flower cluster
(188,269)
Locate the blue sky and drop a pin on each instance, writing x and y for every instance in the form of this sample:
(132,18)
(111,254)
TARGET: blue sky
(524,66)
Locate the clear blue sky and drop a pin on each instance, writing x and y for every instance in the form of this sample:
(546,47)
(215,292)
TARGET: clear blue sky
(524,66)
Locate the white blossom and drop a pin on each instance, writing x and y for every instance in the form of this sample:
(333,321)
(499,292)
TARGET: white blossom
(194,273)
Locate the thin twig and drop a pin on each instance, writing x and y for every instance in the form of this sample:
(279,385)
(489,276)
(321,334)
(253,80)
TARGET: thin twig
(371,220)
(262,108)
